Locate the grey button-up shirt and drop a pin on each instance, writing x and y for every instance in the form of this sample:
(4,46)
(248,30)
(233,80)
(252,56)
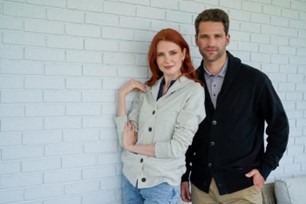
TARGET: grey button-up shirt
(214,82)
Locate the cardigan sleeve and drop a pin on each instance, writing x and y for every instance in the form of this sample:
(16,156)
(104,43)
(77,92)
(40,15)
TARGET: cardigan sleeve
(131,116)
(185,127)
(277,129)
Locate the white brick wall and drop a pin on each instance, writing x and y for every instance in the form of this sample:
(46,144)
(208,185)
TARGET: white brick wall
(62,62)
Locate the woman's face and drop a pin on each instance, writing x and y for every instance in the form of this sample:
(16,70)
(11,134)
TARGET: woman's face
(169,59)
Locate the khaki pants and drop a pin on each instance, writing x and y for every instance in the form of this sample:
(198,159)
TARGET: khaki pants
(245,196)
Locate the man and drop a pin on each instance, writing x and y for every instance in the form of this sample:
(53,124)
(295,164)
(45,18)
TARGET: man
(227,160)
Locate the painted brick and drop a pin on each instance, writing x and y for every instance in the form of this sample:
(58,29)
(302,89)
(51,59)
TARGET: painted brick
(7,22)
(11,82)
(55,3)
(116,33)
(101,44)
(11,110)
(46,191)
(99,70)
(7,139)
(156,26)
(22,38)
(109,109)
(125,58)
(84,83)
(83,56)
(45,54)
(42,137)
(65,42)
(63,149)
(44,82)
(64,200)
(21,96)
(98,96)
(61,176)
(119,8)
(11,196)
(101,171)
(131,47)
(21,67)
(82,187)
(145,36)
(62,96)
(80,135)
(130,71)
(98,121)
(24,152)
(9,167)
(82,30)
(279,21)
(102,19)
(152,13)
(132,22)
(180,17)
(95,5)
(62,122)
(101,146)
(21,124)
(100,197)
(139,2)
(109,158)
(79,161)
(111,183)
(83,109)
(65,15)
(42,26)
(24,10)
(10,52)
(32,165)
(63,69)
(19,180)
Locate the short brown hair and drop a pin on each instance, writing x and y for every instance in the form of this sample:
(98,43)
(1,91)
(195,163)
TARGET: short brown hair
(216,15)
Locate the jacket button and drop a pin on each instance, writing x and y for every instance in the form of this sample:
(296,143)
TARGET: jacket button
(153,112)
(150,129)
(209,165)
(143,179)
(214,122)
(141,160)
(212,143)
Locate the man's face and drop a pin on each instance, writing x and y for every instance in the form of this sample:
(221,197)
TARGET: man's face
(212,41)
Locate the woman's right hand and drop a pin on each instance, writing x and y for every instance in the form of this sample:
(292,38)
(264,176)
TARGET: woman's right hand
(130,86)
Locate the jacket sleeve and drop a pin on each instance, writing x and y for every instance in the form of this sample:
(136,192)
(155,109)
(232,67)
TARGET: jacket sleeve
(132,116)
(277,129)
(185,127)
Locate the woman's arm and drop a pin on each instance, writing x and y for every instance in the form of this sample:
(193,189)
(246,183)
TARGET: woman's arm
(124,91)
(130,139)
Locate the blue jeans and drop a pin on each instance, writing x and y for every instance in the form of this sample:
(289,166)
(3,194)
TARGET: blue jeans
(160,194)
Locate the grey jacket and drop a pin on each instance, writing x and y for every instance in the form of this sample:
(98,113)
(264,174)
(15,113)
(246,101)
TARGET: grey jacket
(170,123)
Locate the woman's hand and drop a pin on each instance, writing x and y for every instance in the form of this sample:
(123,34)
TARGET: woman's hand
(130,136)
(130,86)
(124,91)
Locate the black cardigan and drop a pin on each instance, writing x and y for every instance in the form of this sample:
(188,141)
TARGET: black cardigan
(230,140)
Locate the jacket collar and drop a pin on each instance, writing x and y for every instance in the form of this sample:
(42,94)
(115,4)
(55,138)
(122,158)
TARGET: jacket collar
(179,83)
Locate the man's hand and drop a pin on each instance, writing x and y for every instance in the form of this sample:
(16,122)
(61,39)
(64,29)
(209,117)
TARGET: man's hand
(185,192)
(258,180)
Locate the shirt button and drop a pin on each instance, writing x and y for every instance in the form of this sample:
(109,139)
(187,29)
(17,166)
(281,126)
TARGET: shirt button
(209,165)
(141,160)
(143,179)
(153,112)
(212,143)
(214,122)
(150,129)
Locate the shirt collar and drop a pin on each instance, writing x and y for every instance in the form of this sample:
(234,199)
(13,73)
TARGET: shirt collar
(221,73)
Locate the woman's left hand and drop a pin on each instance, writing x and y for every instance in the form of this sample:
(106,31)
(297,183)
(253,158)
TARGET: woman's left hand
(130,136)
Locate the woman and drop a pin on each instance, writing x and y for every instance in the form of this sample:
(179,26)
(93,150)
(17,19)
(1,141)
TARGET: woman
(164,117)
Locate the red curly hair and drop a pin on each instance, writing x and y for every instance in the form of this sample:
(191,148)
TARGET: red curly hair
(169,35)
